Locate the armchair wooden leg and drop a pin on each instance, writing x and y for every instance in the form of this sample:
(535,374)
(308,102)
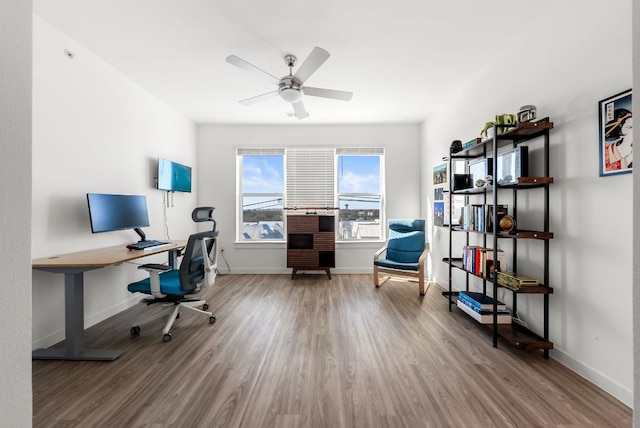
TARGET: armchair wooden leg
(421,285)
(376,280)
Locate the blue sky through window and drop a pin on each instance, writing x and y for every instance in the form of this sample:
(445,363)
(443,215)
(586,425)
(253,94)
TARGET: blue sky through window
(359,174)
(262,174)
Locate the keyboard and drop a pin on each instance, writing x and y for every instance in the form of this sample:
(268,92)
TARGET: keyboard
(149,244)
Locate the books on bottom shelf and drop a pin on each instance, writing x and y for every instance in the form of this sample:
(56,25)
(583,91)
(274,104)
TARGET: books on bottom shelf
(485,317)
(479,301)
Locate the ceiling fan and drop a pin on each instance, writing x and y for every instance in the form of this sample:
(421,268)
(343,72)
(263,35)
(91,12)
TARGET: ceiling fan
(291,87)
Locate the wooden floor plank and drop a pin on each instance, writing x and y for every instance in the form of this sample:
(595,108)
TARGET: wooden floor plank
(315,352)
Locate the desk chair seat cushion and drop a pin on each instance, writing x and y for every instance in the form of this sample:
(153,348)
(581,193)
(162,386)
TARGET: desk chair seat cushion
(169,284)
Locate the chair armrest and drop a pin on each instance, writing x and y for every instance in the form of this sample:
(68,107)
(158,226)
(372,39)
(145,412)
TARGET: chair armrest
(154,277)
(424,254)
(377,254)
(154,267)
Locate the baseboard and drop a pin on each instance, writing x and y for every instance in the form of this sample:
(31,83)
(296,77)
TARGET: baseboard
(620,392)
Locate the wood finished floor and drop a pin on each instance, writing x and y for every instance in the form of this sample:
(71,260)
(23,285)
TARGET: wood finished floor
(315,353)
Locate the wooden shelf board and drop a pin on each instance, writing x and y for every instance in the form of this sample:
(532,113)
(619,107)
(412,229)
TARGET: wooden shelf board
(522,337)
(526,234)
(540,289)
(524,131)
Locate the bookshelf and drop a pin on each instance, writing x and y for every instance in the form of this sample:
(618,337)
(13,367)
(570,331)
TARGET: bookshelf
(519,140)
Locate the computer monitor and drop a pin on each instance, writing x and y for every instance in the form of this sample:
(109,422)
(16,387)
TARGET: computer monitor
(109,212)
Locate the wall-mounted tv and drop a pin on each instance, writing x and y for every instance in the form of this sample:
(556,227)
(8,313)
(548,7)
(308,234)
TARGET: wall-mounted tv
(173,177)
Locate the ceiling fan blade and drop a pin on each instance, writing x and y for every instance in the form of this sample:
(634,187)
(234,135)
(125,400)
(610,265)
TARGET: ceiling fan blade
(258,98)
(240,63)
(301,112)
(315,59)
(328,93)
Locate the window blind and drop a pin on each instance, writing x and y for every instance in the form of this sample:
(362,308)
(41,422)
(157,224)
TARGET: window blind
(310,178)
(259,151)
(360,151)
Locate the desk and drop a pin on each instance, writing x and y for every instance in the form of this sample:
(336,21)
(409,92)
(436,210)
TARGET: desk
(73,266)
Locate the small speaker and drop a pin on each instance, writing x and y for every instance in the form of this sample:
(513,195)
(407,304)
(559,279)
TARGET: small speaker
(462,181)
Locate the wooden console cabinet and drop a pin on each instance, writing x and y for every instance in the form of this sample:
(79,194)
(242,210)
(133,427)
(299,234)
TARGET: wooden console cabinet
(311,243)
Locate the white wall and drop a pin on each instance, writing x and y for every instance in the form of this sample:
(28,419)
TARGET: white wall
(217,172)
(15,212)
(636,229)
(564,73)
(95,131)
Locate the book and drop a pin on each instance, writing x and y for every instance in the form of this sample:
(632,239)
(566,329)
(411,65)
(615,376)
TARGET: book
(481,301)
(484,311)
(489,265)
(503,318)
(514,281)
(501,211)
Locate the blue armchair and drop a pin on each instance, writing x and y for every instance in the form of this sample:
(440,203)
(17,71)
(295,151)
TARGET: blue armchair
(404,254)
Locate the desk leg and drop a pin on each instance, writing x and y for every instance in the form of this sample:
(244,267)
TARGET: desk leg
(173,259)
(74,327)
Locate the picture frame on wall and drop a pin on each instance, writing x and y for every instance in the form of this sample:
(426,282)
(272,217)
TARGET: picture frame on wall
(440,174)
(438,194)
(438,213)
(616,134)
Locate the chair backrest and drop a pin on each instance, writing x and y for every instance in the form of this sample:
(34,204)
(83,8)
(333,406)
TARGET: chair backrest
(406,240)
(198,268)
(201,214)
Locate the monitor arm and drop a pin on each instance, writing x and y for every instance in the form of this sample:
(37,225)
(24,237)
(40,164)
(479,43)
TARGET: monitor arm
(141,233)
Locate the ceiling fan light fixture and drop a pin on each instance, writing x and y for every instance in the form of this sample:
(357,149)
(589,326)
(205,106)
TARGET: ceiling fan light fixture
(291,95)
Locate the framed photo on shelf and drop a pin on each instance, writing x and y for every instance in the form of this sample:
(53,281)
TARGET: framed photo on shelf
(616,134)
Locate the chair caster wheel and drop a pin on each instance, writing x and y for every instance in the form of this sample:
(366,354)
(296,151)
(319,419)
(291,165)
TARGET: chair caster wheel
(134,330)
(166,337)
(205,306)
(212,319)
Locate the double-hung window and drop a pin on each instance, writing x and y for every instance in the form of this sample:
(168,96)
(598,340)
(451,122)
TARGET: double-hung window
(262,194)
(360,176)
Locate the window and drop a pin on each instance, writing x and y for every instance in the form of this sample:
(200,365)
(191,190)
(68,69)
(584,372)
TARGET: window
(272,180)
(359,178)
(261,201)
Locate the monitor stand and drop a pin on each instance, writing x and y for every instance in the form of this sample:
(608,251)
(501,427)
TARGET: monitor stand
(139,231)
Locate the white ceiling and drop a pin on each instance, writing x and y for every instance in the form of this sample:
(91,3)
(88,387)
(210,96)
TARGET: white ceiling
(400,58)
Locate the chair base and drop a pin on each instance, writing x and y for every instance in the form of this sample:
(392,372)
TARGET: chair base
(195,306)
(412,276)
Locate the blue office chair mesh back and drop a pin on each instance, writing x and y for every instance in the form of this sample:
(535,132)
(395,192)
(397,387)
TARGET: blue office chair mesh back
(192,273)
(406,240)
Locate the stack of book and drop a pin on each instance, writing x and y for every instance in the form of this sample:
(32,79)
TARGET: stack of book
(480,308)
(479,260)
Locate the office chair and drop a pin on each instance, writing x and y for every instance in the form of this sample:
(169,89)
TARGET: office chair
(405,253)
(176,288)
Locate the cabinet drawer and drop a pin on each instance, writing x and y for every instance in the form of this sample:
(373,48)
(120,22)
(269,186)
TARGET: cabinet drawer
(302,223)
(324,241)
(296,258)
